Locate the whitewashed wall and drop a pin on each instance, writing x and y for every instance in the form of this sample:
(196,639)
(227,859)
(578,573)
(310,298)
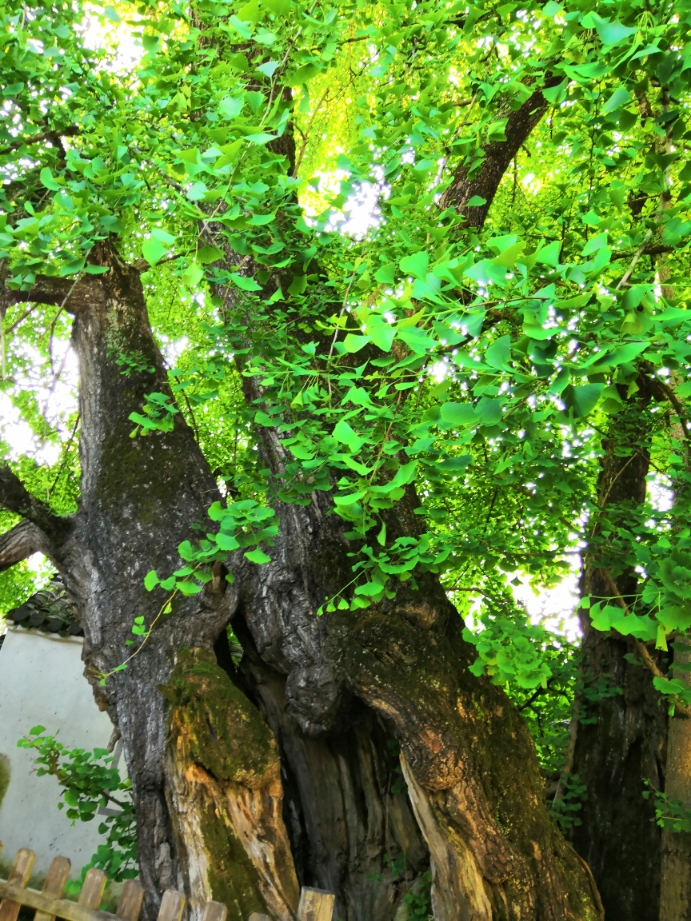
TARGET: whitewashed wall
(41,682)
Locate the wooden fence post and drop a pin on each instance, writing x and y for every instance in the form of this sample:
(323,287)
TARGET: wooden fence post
(316,905)
(130,901)
(56,878)
(92,890)
(215,911)
(20,872)
(172,906)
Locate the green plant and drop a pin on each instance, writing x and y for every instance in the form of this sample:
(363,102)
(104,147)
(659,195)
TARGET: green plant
(568,801)
(670,814)
(89,781)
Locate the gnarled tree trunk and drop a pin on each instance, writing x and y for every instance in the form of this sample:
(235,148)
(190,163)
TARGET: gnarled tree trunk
(354,751)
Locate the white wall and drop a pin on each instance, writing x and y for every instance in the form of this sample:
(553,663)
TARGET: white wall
(41,682)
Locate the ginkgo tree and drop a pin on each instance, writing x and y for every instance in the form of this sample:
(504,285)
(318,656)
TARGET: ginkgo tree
(317,438)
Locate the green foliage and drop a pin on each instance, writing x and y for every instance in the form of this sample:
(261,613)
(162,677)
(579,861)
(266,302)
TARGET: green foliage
(568,801)
(670,814)
(88,781)
(467,372)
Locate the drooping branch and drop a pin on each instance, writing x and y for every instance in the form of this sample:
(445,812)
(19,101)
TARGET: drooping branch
(498,156)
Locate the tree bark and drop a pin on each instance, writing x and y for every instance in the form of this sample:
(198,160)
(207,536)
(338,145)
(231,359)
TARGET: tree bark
(675,891)
(620,723)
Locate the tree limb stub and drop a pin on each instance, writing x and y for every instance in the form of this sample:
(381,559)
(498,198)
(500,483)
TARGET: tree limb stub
(53,135)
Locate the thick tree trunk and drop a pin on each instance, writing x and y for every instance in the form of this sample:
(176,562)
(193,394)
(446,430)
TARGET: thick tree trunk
(620,722)
(198,828)
(353,751)
(675,889)
(675,895)
(394,758)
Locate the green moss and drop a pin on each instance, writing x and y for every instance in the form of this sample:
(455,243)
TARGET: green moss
(232,878)
(225,733)
(226,736)
(143,469)
(4,776)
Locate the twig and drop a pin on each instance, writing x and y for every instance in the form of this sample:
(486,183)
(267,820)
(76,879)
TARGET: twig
(624,280)
(66,458)
(53,135)
(11,328)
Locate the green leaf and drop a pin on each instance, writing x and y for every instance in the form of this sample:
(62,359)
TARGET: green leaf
(582,400)
(476,202)
(257,556)
(192,275)
(415,265)
(549,255)
(499,354)
(153,250)
(231,106)
(209,254)
(458,413)
(151,580)
(346,435)
(245,284)
(488,411)
(262,137)
(226,541)
(48,181)
(354,343)
(612,33)
(250,12)
(618,99)
(188,588)
(302,75)
(386,274)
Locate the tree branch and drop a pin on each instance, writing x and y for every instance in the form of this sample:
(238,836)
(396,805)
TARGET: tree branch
(15,498)
(20,542)
(53,135)
(74,296)
(498,157)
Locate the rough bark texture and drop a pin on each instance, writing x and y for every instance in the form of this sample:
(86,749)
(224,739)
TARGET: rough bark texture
(675,889)
(139,499)
(621,724)
(460,737)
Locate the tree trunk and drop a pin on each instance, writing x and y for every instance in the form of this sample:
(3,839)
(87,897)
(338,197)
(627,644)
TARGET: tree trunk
(675,895)
(620,723)
(675,890)
(322,708)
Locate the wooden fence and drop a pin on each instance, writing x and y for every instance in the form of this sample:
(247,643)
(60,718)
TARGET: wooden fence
(315,905)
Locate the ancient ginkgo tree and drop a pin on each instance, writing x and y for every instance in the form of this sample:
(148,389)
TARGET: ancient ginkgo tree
(376,307)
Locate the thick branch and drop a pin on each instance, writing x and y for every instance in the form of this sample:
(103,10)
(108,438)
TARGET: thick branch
(21,542)
(15,498)
(74,295)
(498,156)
